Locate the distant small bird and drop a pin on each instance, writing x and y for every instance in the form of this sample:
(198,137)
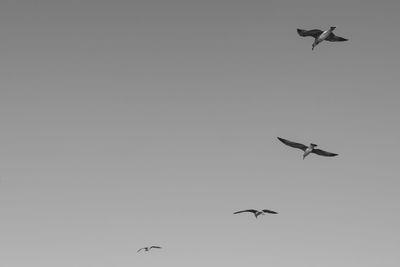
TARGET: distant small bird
(320,36)
(148,248)
(307,149)
(257,212)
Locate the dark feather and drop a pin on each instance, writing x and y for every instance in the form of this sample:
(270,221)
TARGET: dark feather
(334,38)
(253,211)
(323,153)
(270,211)
(313,33)
(293,144)
(154,247)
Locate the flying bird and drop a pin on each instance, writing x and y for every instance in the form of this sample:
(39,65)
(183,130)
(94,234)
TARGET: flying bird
(307,149)
(257,212)
(148,248)
(320,36)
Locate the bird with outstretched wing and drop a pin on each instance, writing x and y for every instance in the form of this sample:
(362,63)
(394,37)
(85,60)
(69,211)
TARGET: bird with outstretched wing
(319,35)
(257,212)
(148,248)
(307,149)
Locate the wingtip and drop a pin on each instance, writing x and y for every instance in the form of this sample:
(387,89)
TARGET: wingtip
(299,31)
(281,139)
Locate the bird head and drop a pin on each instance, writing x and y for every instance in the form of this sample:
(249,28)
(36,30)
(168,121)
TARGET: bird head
(332,28)
(313,145)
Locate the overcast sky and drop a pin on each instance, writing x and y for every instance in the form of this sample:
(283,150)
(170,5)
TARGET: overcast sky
(133,123)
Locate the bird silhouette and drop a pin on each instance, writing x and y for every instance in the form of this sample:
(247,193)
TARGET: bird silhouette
(257,212)
(307,149)
(320,36)
(148,248)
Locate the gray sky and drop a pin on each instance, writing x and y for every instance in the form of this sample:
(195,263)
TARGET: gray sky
(134,123)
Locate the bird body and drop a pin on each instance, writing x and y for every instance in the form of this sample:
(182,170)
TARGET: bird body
(307,149)
(325,34)
(320,36)
(307,152)
(148,248)
(257,212)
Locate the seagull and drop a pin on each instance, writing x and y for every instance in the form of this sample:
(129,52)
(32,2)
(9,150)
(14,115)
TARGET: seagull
(148,248)
(320,36)
(257,212)
(307,149)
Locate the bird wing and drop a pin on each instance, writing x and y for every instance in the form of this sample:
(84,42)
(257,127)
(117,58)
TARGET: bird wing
(334,38)
(140,249)
(154,247)
(270,211)
(293,144)
(323,153)
(313,33)
(253,211)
